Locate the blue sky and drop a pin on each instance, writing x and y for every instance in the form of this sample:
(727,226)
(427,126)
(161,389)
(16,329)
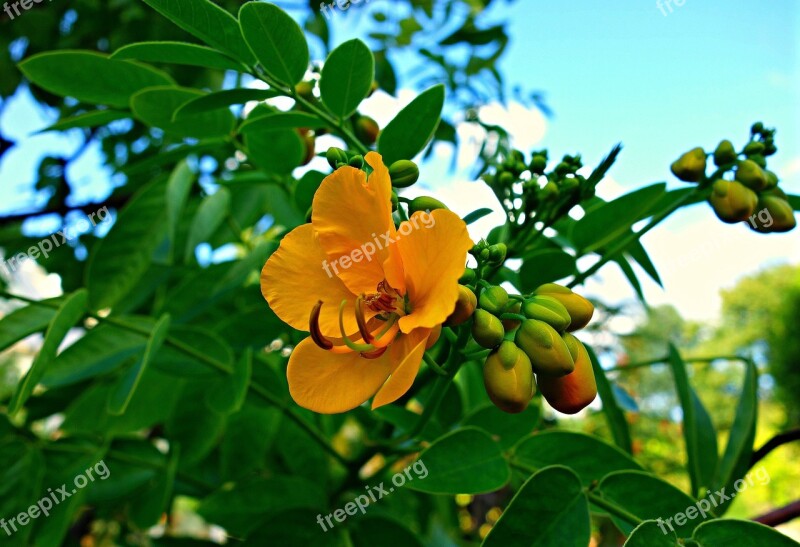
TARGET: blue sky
(611,71)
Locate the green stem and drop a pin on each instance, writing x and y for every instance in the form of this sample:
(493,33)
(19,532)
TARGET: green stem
(664,360)
(435,367)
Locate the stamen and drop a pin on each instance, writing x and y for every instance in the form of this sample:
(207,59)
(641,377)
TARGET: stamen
(362,322)
(313,328)
(375,354)
(347,342)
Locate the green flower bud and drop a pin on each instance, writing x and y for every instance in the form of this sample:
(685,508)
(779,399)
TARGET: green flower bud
(573,392)
(506,179)
(494,300)
(538,164)
(772,180)
(404,173)
(757,128)
(751,175)
(545,348)
(580,310)
(547,309)
(549,191)
(759,160)
(487,330)
(356,161)
(725,153)
(366,130)
(336,157)
(690,167)
(468,277)
(395,200)
(732,201)
(424,203)
(465,307)
(779,215)
(753,148)
(508,378)
(497,253)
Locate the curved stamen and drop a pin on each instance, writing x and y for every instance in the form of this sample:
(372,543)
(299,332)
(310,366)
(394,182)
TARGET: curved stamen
(313,328)
(347,342)
(362,322)
(374,354)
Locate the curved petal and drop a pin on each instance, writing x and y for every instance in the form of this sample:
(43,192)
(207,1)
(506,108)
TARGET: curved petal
(352,217)
(329,383)
(434,249)
(407,352)
(294,279)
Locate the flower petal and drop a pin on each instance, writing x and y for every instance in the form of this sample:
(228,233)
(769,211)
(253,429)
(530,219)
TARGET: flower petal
(329,383)
(352,217)
(294,279)
(434,252)
(407,352)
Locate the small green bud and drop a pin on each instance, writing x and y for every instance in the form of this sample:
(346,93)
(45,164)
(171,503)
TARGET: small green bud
(508,378)
(336,157)
(404,173)
(779,213)
(538,164)
(580,310)
(494,300)
(772,180)
(395,201)
(757,128)
(725,153)
(547,309)
(690,167)
(487,330)
(465,307)
(753,148)
(549,191)
(424,203)
(751,175)
(760,160)
(356,161)
(506,179)
(468,277)
(545,348)
(732,201)
(366,130)
(497,253)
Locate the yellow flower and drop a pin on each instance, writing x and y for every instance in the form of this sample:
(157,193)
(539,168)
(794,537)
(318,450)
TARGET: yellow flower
(372,296)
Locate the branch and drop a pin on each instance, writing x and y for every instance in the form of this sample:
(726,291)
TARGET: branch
(781,515)
(773,443)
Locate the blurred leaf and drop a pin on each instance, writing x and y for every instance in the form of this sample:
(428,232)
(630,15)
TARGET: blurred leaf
(544,267)
(147,508)
(192,426)
(209,218)
(178,187)
(650,534)
(568,448)
(466,461)
(248,437)
(794,201)
(505,428)
(742,533)
(549,510)
(305,188)
(69,313)
(156,106)
(23,322)
(91,77)
(275,151)
(94,118)
(223,99)
(23,468)
(280,120)
(209,22)
(413,127)
(347,77)
(203,344)
(476,215)
(179,53)
(276,40)
(370,531)
(614,414)
(228,395)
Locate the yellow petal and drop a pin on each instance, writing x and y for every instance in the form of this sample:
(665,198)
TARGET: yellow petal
(294,279)
(329,383)
(407,353)
(434,252)
(352,217)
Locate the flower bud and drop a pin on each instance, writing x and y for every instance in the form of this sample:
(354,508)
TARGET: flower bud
(424,203)
(468,277)
(545,348)
(772,180)
(549,191)
(538,164)
(571,393)
(505,179)
(336,156)
(497,253)
(366,130)
(725,153)
(580,310)
(754,148)
(547,309)
(305,90)
(356,161)
(780,215)
(511,324)
(751,175)
(310,142)
(494,300)
(404,173)
(690,167)
(395,200)
(465,306)
(487,330)
(757,128)
(508,378)
(732,201)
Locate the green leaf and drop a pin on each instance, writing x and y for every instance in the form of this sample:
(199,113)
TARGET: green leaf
(476,215)
(614,414)
(156,106)
(209,22)
(794,201)
(276,40)
(278,151)
(607,223)
(647,497)
(569,448)
(69,313)
(280,120)
(122,392)
(95,118)
(248,436)
(650,534)
(466,461)
(118,261)
(742,533)
(223,99)
(146,508)
(736,459)
(305,189)
(544,267)
(179,53)
(698,431)
(408,133)
(371,531)
(203,344)
(347,77)
(178,187)
(505,428)
(22,469)
(210,216)
(228,395)
(549,510)
(91,77)
(23,322)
